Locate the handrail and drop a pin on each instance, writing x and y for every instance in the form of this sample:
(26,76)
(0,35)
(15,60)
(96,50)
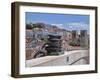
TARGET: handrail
(78,60)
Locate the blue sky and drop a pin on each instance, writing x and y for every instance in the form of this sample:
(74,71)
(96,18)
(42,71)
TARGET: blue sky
(66,21)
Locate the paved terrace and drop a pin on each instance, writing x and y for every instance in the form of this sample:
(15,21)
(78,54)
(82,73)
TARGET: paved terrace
(68,58)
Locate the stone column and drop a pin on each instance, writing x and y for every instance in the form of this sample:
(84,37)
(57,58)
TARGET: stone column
(84,38)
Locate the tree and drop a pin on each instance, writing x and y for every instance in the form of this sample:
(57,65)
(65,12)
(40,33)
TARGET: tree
(38,25)
(28,26)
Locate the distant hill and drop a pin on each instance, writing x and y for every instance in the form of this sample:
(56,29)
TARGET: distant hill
(44,26)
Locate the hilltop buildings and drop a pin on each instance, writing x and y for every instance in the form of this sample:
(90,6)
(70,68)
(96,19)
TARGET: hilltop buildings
(36,37)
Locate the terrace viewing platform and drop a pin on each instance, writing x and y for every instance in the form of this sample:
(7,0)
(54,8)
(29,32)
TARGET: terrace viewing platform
(76,57)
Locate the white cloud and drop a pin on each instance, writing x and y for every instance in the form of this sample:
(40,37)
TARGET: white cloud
(78,25)
(58,25)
